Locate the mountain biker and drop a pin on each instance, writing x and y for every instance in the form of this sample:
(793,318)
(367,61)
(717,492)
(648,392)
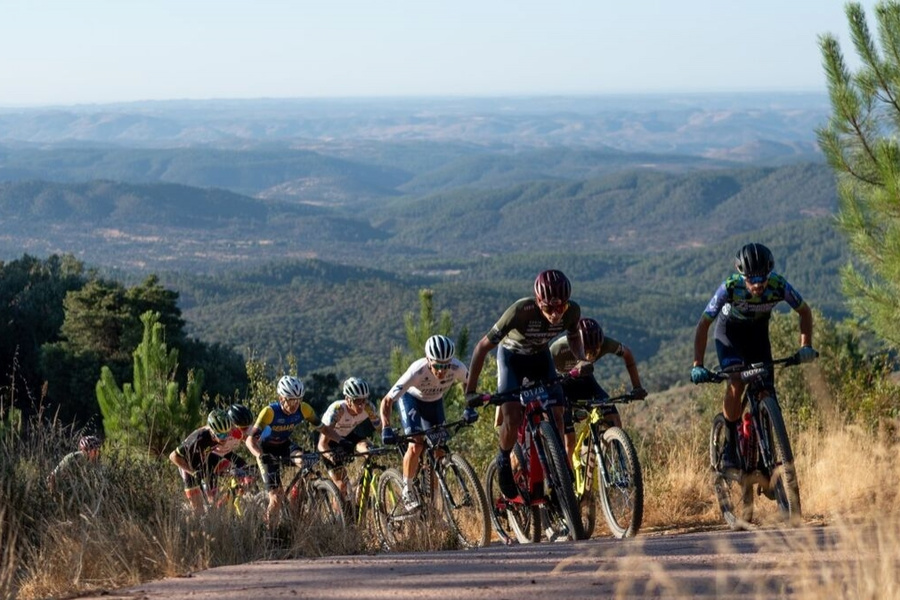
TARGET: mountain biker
(523,334)
(585,387)
(224,454)
(77,462)
(269,439)
(345,416)
(743,304)
(192,457)
(419,394)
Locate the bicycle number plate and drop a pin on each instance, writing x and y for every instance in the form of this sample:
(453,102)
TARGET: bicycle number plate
(307,460)
(437,436)
(536,394)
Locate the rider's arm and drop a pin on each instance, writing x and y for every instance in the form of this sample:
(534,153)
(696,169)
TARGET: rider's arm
(700,336)
(386,404)
(329,432)
(631,367)
(483,346)
(180,462)
(253,442)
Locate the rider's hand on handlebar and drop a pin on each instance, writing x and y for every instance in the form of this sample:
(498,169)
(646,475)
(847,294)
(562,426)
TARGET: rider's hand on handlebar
(474,399)
(806,354)
(638,393)
(470,415)
(701,374)
(389,436)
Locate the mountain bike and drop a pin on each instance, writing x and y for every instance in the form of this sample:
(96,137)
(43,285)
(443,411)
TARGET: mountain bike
(764,450)
(606,468)
(445,486)
(362,512)
(546,499)
(311,496)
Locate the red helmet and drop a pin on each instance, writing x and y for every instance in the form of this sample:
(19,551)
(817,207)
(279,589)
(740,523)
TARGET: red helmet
(591,335)
(552,287)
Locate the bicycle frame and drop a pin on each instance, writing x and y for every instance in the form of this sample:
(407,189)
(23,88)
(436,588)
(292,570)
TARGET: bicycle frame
(597,425)
(436,438)
(366,486)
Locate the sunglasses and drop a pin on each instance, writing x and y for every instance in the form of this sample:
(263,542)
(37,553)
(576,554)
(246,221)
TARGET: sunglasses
(440,366)
(222,436)
(554,307)
(359,401)
(757,279)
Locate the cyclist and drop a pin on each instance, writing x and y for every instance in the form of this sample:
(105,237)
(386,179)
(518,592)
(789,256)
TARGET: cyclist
(523,334)
(77,462)
(347,417)
(192,457)
(419,394)
(224,455)
(269,439)
(586,387)
(743,304)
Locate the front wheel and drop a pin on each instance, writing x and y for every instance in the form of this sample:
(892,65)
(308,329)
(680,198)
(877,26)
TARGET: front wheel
(562,513)
(783,481)
(464,503)
(734,496)
(622,490)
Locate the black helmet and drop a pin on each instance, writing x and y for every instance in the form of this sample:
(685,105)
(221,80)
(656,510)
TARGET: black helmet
(591,335)
(754,260)
(240,415)
(552,287)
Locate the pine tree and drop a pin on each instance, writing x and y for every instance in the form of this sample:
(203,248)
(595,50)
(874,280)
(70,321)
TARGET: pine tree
(862,145)
(150,412)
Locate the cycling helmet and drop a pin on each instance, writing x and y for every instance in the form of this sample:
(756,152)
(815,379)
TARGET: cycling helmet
(219,421)
(552,287)
(356,387)
(754,260)
(591,335)
(439,348)
(290,387)
(89,442)
(240,415)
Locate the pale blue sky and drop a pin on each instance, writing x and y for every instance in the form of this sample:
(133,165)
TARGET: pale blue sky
(87,51)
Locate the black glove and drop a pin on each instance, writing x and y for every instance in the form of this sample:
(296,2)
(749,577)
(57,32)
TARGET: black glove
(638,393)
(474,399)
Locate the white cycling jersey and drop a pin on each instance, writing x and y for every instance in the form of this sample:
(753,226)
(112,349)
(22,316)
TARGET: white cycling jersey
(338,416)
(422,383)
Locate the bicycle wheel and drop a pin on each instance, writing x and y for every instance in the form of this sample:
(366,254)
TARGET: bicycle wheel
(783,483)
(586,481)
(397,525)
(734,497)
(622,493)
(464,503)
(324,504)
(562,507)
(512,520)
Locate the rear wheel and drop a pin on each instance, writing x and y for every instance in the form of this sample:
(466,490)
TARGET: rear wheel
(622,493)
(734,497)
(464,502)
(562,507)
(783,481)
(512,520)
(324,504)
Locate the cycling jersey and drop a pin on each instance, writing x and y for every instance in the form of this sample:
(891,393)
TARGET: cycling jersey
(277,426)
(523,329)
(421,383)
(338,415)
(197,446)
(735,302)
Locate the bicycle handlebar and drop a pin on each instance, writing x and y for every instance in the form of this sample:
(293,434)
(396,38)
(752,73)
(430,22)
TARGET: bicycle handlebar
(749,372)
(501,397)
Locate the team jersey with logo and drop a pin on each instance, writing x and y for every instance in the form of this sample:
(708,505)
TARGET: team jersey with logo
(196,446)
(276,426)
(421,382)
(564,360)
(338,416)
(522,329)
(735,302)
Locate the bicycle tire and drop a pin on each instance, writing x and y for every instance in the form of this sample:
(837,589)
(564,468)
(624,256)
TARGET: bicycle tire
(559,483)
(586,491)
(622,497)
(514,522)
(398,526)
(735,499)
(324,504)
(783,477)
(464,502)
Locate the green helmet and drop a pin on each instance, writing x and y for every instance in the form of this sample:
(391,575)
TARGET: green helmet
(219,421)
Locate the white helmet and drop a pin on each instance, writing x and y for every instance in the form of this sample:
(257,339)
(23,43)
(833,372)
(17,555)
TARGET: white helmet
(290,387)
(439,348)
(356,387)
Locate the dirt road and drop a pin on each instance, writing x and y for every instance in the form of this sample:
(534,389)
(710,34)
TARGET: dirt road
(712,564)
